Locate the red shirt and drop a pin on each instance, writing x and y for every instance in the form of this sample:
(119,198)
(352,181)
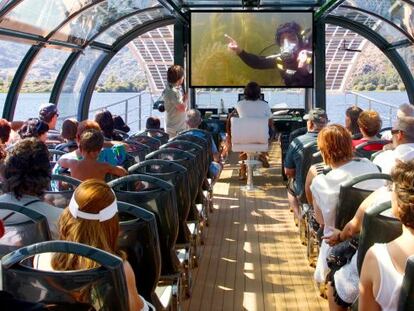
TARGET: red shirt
(372,147)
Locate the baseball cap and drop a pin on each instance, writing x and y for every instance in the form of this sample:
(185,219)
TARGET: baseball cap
(47,111)
(405,124)
(317,115)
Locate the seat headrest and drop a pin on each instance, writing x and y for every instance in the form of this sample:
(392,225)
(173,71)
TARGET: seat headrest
(249,130)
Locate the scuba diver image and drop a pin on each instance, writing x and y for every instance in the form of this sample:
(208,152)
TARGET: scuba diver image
(294,61)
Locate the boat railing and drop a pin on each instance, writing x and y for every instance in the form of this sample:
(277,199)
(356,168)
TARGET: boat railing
(386,110)
(133,109)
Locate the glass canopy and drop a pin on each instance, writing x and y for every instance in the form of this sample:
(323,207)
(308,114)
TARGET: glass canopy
(86,34)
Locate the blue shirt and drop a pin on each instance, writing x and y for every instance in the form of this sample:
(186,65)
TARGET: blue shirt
(293,158)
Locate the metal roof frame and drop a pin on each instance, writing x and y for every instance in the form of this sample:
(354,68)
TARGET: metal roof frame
(387,48)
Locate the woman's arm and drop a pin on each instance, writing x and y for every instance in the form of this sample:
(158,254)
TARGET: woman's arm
(135,301)
(368,283)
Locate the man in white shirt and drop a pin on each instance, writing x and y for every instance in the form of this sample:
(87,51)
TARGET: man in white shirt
(402,139)
(252,106)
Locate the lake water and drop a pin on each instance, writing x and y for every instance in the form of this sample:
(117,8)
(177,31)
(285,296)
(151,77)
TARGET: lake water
(337,103)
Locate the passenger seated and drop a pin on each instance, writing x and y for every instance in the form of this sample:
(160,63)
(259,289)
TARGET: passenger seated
(68,133)
(351,121)
(369,122)
(90,145)
(112,154)
(253,107)
(92,219)
(402,140)
(27,176)
(34,127)
(153,123)
(316,120)
(193,120)
(384,264)
(119,124)
(335,144)
(106,123)
(48,113)
(5,130)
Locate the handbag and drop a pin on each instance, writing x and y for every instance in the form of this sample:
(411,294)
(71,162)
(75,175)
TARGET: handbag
(342,253)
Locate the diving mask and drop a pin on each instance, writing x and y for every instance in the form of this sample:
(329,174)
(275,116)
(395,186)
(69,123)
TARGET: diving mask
(288,49)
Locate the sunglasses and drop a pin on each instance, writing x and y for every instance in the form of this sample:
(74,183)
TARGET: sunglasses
(393,132)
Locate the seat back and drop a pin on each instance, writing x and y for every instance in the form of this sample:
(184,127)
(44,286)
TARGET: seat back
(199,133)
(183,158)
(377,228)
(194,149)
(123,134)
(156,133)
(151,142)
(175,174)
(360,150)
(199,140)
(137,150)
(103,288)
(65,186)
(406,301)
(245,139)
(54,156)
(351,197)
(159,198)
(67,147)
(17,234)
(138,238)
(306,156)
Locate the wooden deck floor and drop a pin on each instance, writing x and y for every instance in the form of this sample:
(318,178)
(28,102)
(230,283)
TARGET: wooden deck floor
(252,258)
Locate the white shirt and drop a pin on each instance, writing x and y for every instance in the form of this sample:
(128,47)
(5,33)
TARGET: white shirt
(174,119)
(253,109)
(325,190)
(391,280)
(386,160)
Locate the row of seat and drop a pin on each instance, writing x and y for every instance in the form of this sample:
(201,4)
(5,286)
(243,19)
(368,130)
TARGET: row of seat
(378,226)
(162,236)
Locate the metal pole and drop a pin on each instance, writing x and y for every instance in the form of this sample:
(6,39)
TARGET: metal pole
(140,110)
(126,111)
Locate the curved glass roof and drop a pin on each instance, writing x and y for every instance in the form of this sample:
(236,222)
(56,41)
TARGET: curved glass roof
(92,31)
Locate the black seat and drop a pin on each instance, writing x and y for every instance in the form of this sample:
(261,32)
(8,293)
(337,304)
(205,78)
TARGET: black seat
(151,142)
(306,159)
(138,238)
(196,150)
(159,198)
(187,160)
(67,147)
(17,234)
(137,150)
(54,156)
(177,175)
(377,228)
(204,141)
(103,288)
(351,197)
(124,135)
(361,152)
(61,190)
(156,133)
(406,301)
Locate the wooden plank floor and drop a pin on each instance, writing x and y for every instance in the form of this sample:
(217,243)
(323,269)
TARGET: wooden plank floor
(252,258)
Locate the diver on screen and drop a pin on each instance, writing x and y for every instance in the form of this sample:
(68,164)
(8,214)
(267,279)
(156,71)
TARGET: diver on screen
(294,60)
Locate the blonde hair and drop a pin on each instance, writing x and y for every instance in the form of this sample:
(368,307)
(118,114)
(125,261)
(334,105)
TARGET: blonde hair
(335,143)
(92,196)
